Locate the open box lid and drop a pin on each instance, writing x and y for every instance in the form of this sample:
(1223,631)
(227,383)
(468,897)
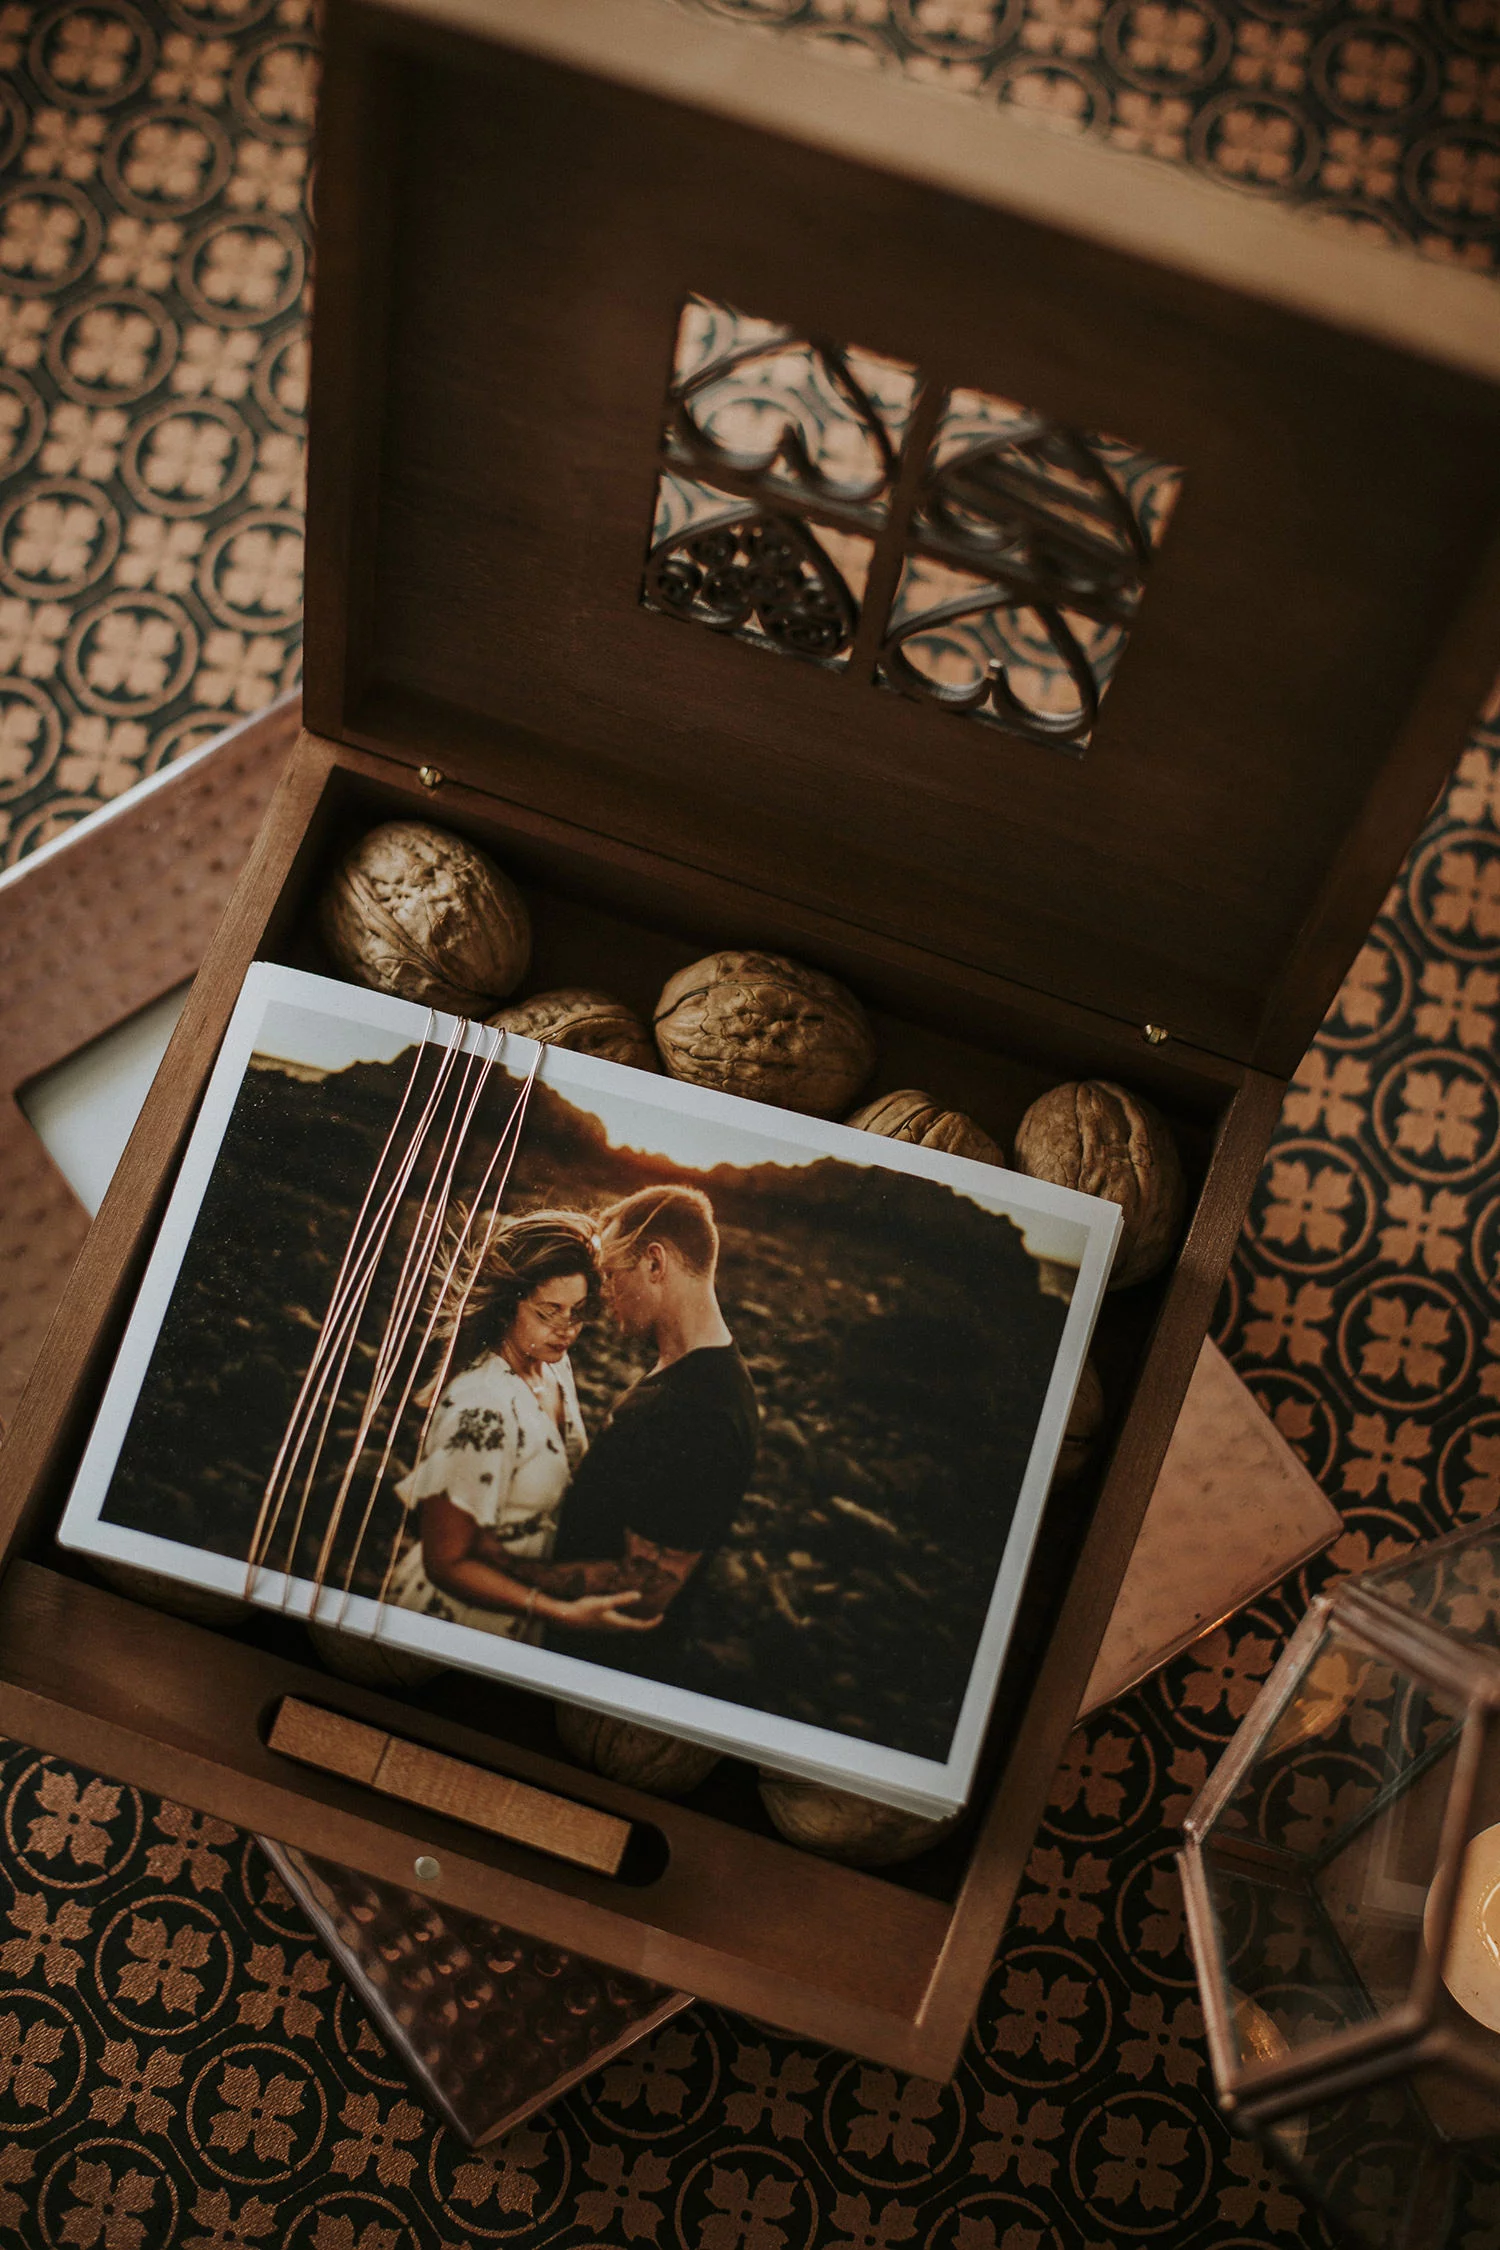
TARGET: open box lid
(515,205)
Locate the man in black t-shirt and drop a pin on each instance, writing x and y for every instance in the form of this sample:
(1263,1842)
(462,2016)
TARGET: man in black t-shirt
(659,1488)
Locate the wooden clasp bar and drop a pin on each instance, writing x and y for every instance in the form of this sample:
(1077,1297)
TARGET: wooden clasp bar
(449,1786)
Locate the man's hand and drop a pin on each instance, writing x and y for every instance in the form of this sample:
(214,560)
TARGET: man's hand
(648,1574)
(659,1572)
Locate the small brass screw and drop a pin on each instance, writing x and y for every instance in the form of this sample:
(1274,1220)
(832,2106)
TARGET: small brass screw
(1154,1033)
(426,1868)
(430,777)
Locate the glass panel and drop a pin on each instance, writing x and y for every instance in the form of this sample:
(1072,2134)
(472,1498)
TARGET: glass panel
(1021,560)
(1290,1982)
(1321,1862)
(1477,2217)
(955,637)
(779,458)
(1375,2164)
(1350,1728)
(1468,2001)
(1373,1878)
(1065,494)
(1454,1584)
(1460,2108)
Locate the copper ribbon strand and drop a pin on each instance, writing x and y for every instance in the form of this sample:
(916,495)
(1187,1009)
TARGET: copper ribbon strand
(509,1141)
(414,1277)
(350,1309)
(290,1444)
(449,1109)
(346,1306)
(509,1138)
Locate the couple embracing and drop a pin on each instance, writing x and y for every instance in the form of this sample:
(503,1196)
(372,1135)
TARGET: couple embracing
(529,1526)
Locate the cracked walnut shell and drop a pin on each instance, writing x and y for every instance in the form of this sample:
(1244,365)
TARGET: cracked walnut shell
(1096,1137)
(370,1663)
(915,1117)
(590,1023)
(638,1756)
(199,1604)
(417,911)
(837,1824)
(767,1028)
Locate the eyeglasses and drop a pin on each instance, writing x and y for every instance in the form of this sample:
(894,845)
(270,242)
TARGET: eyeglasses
(557,1316)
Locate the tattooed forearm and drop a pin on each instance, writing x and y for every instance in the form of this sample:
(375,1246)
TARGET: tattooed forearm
(657,1574)
(566,1581)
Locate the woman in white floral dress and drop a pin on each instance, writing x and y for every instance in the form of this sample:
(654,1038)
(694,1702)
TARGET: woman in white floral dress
(506,1437)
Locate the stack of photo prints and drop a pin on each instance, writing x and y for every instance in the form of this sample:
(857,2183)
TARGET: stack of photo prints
(672,1405)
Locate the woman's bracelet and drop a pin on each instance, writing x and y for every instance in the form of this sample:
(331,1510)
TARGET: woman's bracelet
(530,1602)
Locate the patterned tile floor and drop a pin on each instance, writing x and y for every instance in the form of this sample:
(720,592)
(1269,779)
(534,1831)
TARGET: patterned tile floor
(153,255)
(178,2071)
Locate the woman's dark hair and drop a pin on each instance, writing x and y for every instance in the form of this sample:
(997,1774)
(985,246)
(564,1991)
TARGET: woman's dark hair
(492,1280)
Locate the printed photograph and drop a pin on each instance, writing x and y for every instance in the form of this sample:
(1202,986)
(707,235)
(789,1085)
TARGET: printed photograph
(551,1354)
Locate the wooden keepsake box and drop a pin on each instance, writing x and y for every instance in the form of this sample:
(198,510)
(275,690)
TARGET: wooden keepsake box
(698,682)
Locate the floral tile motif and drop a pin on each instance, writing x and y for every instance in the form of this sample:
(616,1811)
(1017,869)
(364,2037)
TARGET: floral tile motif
(1379,115)
(179,2069)
(153,277)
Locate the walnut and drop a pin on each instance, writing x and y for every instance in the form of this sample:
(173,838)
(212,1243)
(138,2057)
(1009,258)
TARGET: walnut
(1096,1137)
(373,1664)
(589,1022)
(767,1028)
(199,1604)
(839,1825)
(1084,1424)
(416,911)
(639,1756)
(916,1117)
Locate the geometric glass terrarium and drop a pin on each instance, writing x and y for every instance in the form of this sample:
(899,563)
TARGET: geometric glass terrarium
(1342,1878)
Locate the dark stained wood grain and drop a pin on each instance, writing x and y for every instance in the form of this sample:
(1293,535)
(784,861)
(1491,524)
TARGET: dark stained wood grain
(1288,664)
(745,1918)
(996,1866)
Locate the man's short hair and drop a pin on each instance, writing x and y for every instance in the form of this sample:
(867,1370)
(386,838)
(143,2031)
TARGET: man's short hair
(680,1217)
